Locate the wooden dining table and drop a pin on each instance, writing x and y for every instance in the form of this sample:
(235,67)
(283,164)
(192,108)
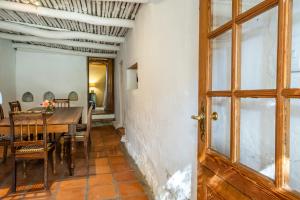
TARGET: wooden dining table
(63,120)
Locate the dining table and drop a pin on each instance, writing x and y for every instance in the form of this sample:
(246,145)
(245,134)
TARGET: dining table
(62,120)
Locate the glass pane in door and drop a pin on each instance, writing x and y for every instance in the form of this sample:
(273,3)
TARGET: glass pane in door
(220,128)
(221,12)
(294,178)
(295,62)
(257,135)
(221,62)
(247,4)
(259,51)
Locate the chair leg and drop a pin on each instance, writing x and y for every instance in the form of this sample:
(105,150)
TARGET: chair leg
(54,161)
(5,153)
(86,152)
(52,137)
(24,169)
(14,175)
(46,171)
(90,141)
(62,147)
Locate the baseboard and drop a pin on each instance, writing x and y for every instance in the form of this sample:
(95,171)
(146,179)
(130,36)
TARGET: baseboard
(120,131)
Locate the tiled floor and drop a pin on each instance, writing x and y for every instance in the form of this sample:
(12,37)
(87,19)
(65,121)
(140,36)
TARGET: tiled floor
(111,176)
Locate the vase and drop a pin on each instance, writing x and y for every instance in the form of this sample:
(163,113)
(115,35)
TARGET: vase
(50,110)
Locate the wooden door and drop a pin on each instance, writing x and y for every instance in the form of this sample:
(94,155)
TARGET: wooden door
(249,108)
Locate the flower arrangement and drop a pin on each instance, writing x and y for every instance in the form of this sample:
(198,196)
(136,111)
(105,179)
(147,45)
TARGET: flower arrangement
(48,105)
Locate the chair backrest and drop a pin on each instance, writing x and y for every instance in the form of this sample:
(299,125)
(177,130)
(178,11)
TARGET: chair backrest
(1,112)
(15,106)
(25,128)
(62,103)
(89,122)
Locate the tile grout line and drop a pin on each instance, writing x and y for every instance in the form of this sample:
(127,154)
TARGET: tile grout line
(87,189)
(116,186)
(118,196)
(105,145)
(57,190)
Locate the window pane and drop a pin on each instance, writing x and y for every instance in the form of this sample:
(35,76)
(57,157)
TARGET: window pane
(247,4)
(220,133)
(257,135)
(221,12)
(294,178)
(295,69)
(221,62)
(259,51)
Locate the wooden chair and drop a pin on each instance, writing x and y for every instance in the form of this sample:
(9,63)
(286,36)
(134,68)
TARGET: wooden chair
(1,112)
(82,136)
(15,106)
(26,143)
(62,103)
(4,140)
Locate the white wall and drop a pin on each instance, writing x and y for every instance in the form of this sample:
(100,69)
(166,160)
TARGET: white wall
(161,135)
(41,72)
(7,73)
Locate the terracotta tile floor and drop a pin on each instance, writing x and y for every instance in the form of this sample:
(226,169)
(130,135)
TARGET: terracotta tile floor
(111,175)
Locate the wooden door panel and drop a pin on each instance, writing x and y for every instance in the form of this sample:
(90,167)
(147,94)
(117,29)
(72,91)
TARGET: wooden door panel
(221,188)
(239,179)
(211,195)
(221,177)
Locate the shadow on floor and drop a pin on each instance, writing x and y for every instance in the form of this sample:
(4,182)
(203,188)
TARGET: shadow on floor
(110,176)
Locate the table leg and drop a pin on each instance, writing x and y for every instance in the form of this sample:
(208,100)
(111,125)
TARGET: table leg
(72,129)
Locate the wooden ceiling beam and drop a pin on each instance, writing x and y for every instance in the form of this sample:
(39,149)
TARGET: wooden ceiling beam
(58,34)
(39,48)
(71,43)
(66,15)
(128,1)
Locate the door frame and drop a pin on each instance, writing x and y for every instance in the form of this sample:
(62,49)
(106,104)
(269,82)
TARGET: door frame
(111,81)
(240,181)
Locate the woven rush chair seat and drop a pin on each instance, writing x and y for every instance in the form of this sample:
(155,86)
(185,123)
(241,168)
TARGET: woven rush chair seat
(34,148)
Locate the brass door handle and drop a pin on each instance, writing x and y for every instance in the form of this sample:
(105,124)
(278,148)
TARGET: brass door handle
(198,117)
(201,118)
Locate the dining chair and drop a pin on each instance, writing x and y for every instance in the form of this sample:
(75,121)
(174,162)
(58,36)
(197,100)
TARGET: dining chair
(15,106)
(62,103)
(26,143)
(4,140)
(82,136)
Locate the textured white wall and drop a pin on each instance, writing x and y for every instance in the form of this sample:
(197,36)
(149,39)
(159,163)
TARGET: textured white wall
(7,73)
(41,72)
(161,134)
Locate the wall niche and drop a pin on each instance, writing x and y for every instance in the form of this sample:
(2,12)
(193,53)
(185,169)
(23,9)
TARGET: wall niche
(132,77)
(73,96)
(27,97)
(49,96)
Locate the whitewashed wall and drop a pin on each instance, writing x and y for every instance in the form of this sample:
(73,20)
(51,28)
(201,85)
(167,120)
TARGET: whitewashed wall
(161,135)
(7,73)
(41,72)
